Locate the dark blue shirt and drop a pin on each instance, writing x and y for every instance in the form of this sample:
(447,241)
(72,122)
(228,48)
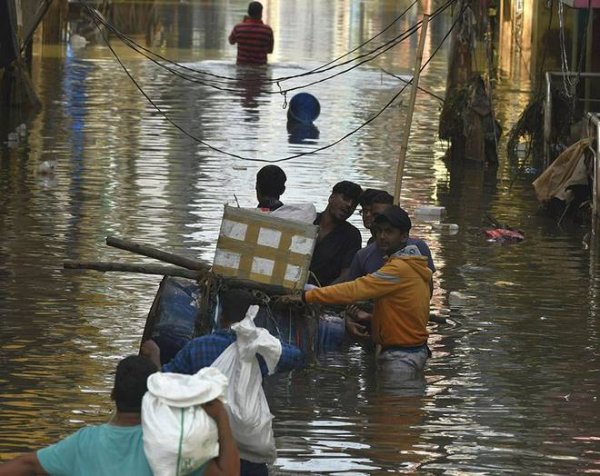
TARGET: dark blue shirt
(203,351)
(370,259)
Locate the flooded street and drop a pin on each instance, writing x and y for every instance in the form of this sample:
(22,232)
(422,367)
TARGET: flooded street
(514,381)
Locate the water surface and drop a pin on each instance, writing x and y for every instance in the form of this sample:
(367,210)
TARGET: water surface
(513,383)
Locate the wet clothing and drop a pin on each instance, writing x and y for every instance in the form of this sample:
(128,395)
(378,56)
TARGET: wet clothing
(401,292)
(334,252)
(400,368)
(203,351)
(370,259)
(104,450)
(269,204)
(254,39)
(248,468)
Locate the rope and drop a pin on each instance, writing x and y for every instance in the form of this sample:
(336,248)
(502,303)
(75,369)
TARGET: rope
(179,449)
(369,55)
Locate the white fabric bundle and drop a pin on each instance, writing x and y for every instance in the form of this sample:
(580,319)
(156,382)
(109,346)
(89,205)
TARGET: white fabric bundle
(247,405)
(178,435)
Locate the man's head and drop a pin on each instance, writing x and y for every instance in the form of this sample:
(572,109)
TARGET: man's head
(343,200)
(131,383)
(391,229)
(380,202)
(366,201)
(270,182)
(234,305)
(255,10)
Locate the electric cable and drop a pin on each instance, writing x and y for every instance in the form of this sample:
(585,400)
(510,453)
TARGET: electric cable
(250,159)
(224,79)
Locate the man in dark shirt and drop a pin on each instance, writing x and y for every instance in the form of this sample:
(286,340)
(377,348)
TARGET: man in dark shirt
(253,37)
(337,241)
(270,185)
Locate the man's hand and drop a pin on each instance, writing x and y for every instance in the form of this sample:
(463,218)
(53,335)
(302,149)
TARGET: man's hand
(356,329)
(215,409)
(151,351)
(358,315)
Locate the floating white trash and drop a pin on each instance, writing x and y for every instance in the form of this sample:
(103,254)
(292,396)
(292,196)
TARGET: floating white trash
(430,212)
(450,228)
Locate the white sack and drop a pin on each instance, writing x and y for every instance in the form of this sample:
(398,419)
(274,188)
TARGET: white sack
(304,212)
(178,435)
(247,405)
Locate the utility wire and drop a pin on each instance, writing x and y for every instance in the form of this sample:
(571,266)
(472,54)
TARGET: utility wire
(370,55)
(137,47)
(250,159)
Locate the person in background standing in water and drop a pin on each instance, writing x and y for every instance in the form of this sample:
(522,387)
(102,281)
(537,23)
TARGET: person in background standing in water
(337,241)
(253,37)
(270,185)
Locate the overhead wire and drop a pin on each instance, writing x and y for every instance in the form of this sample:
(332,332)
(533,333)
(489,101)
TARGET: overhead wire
(138,47)
(369,56)
(251,159)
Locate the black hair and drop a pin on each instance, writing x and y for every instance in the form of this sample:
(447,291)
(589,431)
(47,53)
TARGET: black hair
(235,304)
(255,9)
(348,189)
(382,197)
(366,198)
(270,181)
(131,382)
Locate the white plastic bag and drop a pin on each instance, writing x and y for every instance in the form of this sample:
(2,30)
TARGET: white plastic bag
(178,435)
(247,405)
(304,212)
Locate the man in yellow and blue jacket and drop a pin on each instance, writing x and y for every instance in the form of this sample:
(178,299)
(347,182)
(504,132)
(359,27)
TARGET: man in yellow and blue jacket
(401,293)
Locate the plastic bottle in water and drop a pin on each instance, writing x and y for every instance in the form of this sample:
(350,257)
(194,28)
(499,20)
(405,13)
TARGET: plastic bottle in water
(450,228)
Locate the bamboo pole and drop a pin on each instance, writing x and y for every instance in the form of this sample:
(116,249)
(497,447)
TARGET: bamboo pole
(161,269)
(155,253)
(411,107)
(134,268)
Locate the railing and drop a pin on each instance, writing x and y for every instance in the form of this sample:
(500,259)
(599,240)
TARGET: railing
(590,104)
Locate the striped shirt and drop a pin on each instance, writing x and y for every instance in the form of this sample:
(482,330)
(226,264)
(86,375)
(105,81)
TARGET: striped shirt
(254,40)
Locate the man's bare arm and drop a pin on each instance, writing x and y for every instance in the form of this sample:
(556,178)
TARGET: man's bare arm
(24,465)
(228,461)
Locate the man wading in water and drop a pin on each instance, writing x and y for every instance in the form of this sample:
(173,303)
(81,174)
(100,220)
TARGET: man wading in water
(253,37)
(401,293)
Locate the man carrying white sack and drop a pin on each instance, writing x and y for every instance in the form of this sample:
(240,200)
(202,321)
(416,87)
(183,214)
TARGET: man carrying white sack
(115,448)
(204,351)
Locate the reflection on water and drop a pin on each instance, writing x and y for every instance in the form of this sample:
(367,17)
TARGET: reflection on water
(512,385)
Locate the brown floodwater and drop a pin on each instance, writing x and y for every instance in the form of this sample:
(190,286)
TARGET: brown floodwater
(513,384)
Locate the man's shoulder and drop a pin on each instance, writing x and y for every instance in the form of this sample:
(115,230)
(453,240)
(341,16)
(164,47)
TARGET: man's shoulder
(220,335)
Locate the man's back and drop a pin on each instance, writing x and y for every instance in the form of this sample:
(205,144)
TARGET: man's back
(254,39)
(203,351)
(104,450)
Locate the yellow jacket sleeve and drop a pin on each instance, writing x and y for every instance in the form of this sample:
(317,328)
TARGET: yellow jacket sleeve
(371,286)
